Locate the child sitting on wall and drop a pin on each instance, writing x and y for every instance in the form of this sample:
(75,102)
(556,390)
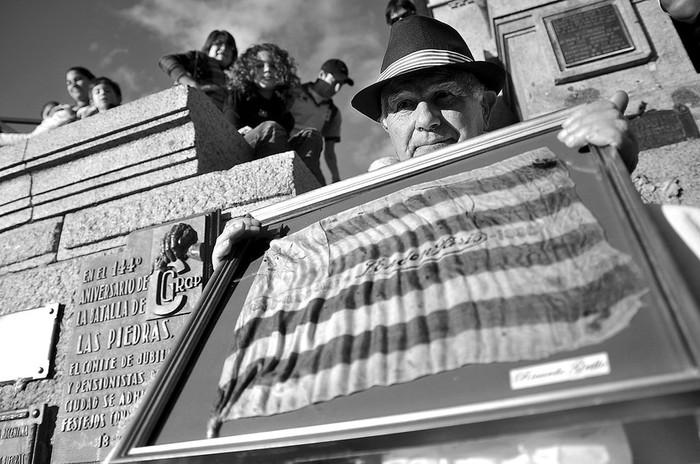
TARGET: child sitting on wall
(205,69)
(104,94)
(53,115)
(264,79)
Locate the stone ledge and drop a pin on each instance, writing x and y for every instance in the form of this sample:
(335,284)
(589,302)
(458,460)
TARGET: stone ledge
(114,161)
(132,121)
(12,158)
(15,189)
(109,191)
(29,241)
(273,178)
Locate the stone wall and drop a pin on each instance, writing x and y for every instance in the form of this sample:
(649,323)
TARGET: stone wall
(76,193)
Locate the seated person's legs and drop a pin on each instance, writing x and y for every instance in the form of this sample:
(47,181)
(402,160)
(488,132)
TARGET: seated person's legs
(308,144)
(267,138)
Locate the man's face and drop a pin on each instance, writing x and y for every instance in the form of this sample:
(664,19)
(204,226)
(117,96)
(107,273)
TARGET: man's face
(424,114)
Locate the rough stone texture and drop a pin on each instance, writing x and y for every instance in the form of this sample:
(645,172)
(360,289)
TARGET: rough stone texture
(135,120)
(30,263)
(116,190)
(678,162)
(171,135)
(278,176)
(11,220)
(498,8)
(468,18)
(15,206)
(11,157)
(121,161)
(102,246)
(28,241)
(12,190)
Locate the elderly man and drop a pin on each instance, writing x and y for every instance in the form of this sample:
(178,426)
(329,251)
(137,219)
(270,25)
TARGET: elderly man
(431,93)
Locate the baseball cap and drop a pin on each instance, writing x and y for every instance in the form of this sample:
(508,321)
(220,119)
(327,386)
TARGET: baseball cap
(339,70)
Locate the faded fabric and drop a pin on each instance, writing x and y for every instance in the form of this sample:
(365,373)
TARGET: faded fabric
(498,264)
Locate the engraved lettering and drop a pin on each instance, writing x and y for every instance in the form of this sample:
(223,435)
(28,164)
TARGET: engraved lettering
(82,404)
(76,424)
(14,432)
(130,335)
(89,344)
(15,459)
(105,383)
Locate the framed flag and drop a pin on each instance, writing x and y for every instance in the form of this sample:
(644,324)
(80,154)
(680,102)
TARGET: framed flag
(503,286)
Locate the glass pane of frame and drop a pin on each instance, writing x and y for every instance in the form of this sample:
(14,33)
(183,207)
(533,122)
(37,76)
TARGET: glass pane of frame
(638,346)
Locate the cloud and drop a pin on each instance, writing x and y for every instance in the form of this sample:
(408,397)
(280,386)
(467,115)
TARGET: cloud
(132,82)
(311,30)
(107,59)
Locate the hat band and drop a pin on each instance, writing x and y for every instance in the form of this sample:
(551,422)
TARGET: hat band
(423,59)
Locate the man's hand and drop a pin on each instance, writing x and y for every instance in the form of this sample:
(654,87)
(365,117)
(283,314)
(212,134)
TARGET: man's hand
(602,123)
(235,230)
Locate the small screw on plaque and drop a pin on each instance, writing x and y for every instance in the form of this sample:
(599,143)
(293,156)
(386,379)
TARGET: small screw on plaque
(41,370)
(35,413)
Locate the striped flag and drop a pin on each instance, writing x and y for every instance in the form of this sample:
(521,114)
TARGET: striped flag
(499,264)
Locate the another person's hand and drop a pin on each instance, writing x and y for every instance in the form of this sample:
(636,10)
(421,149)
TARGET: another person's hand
(602,123)
(209,87)
(244,130)
(175,245)
(235,230)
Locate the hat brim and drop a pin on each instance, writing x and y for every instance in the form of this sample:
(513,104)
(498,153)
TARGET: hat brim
(367,101)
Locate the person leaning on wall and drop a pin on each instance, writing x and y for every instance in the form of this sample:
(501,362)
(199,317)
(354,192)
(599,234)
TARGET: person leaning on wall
(204,69)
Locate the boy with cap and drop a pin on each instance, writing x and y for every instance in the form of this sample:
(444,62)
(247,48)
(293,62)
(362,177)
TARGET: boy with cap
(313,110)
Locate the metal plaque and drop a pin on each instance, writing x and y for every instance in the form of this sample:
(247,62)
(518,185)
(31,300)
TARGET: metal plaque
(21,438)
(589,34)
(655,129)
(28,335)
(129,310)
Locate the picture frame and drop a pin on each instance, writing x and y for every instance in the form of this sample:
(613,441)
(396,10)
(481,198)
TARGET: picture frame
(470,403)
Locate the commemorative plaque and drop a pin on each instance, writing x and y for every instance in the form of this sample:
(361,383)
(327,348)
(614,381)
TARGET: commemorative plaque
(128,311)
(589,34)
(21,436)
(657,128)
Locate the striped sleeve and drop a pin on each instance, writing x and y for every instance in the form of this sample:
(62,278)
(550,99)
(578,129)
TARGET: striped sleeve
(499,264)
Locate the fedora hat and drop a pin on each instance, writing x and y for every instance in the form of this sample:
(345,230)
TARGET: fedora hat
(418,43)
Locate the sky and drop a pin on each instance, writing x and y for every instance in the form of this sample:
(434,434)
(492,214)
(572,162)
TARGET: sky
(124,39)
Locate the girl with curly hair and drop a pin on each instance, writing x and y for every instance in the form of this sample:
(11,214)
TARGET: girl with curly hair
(264,81)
